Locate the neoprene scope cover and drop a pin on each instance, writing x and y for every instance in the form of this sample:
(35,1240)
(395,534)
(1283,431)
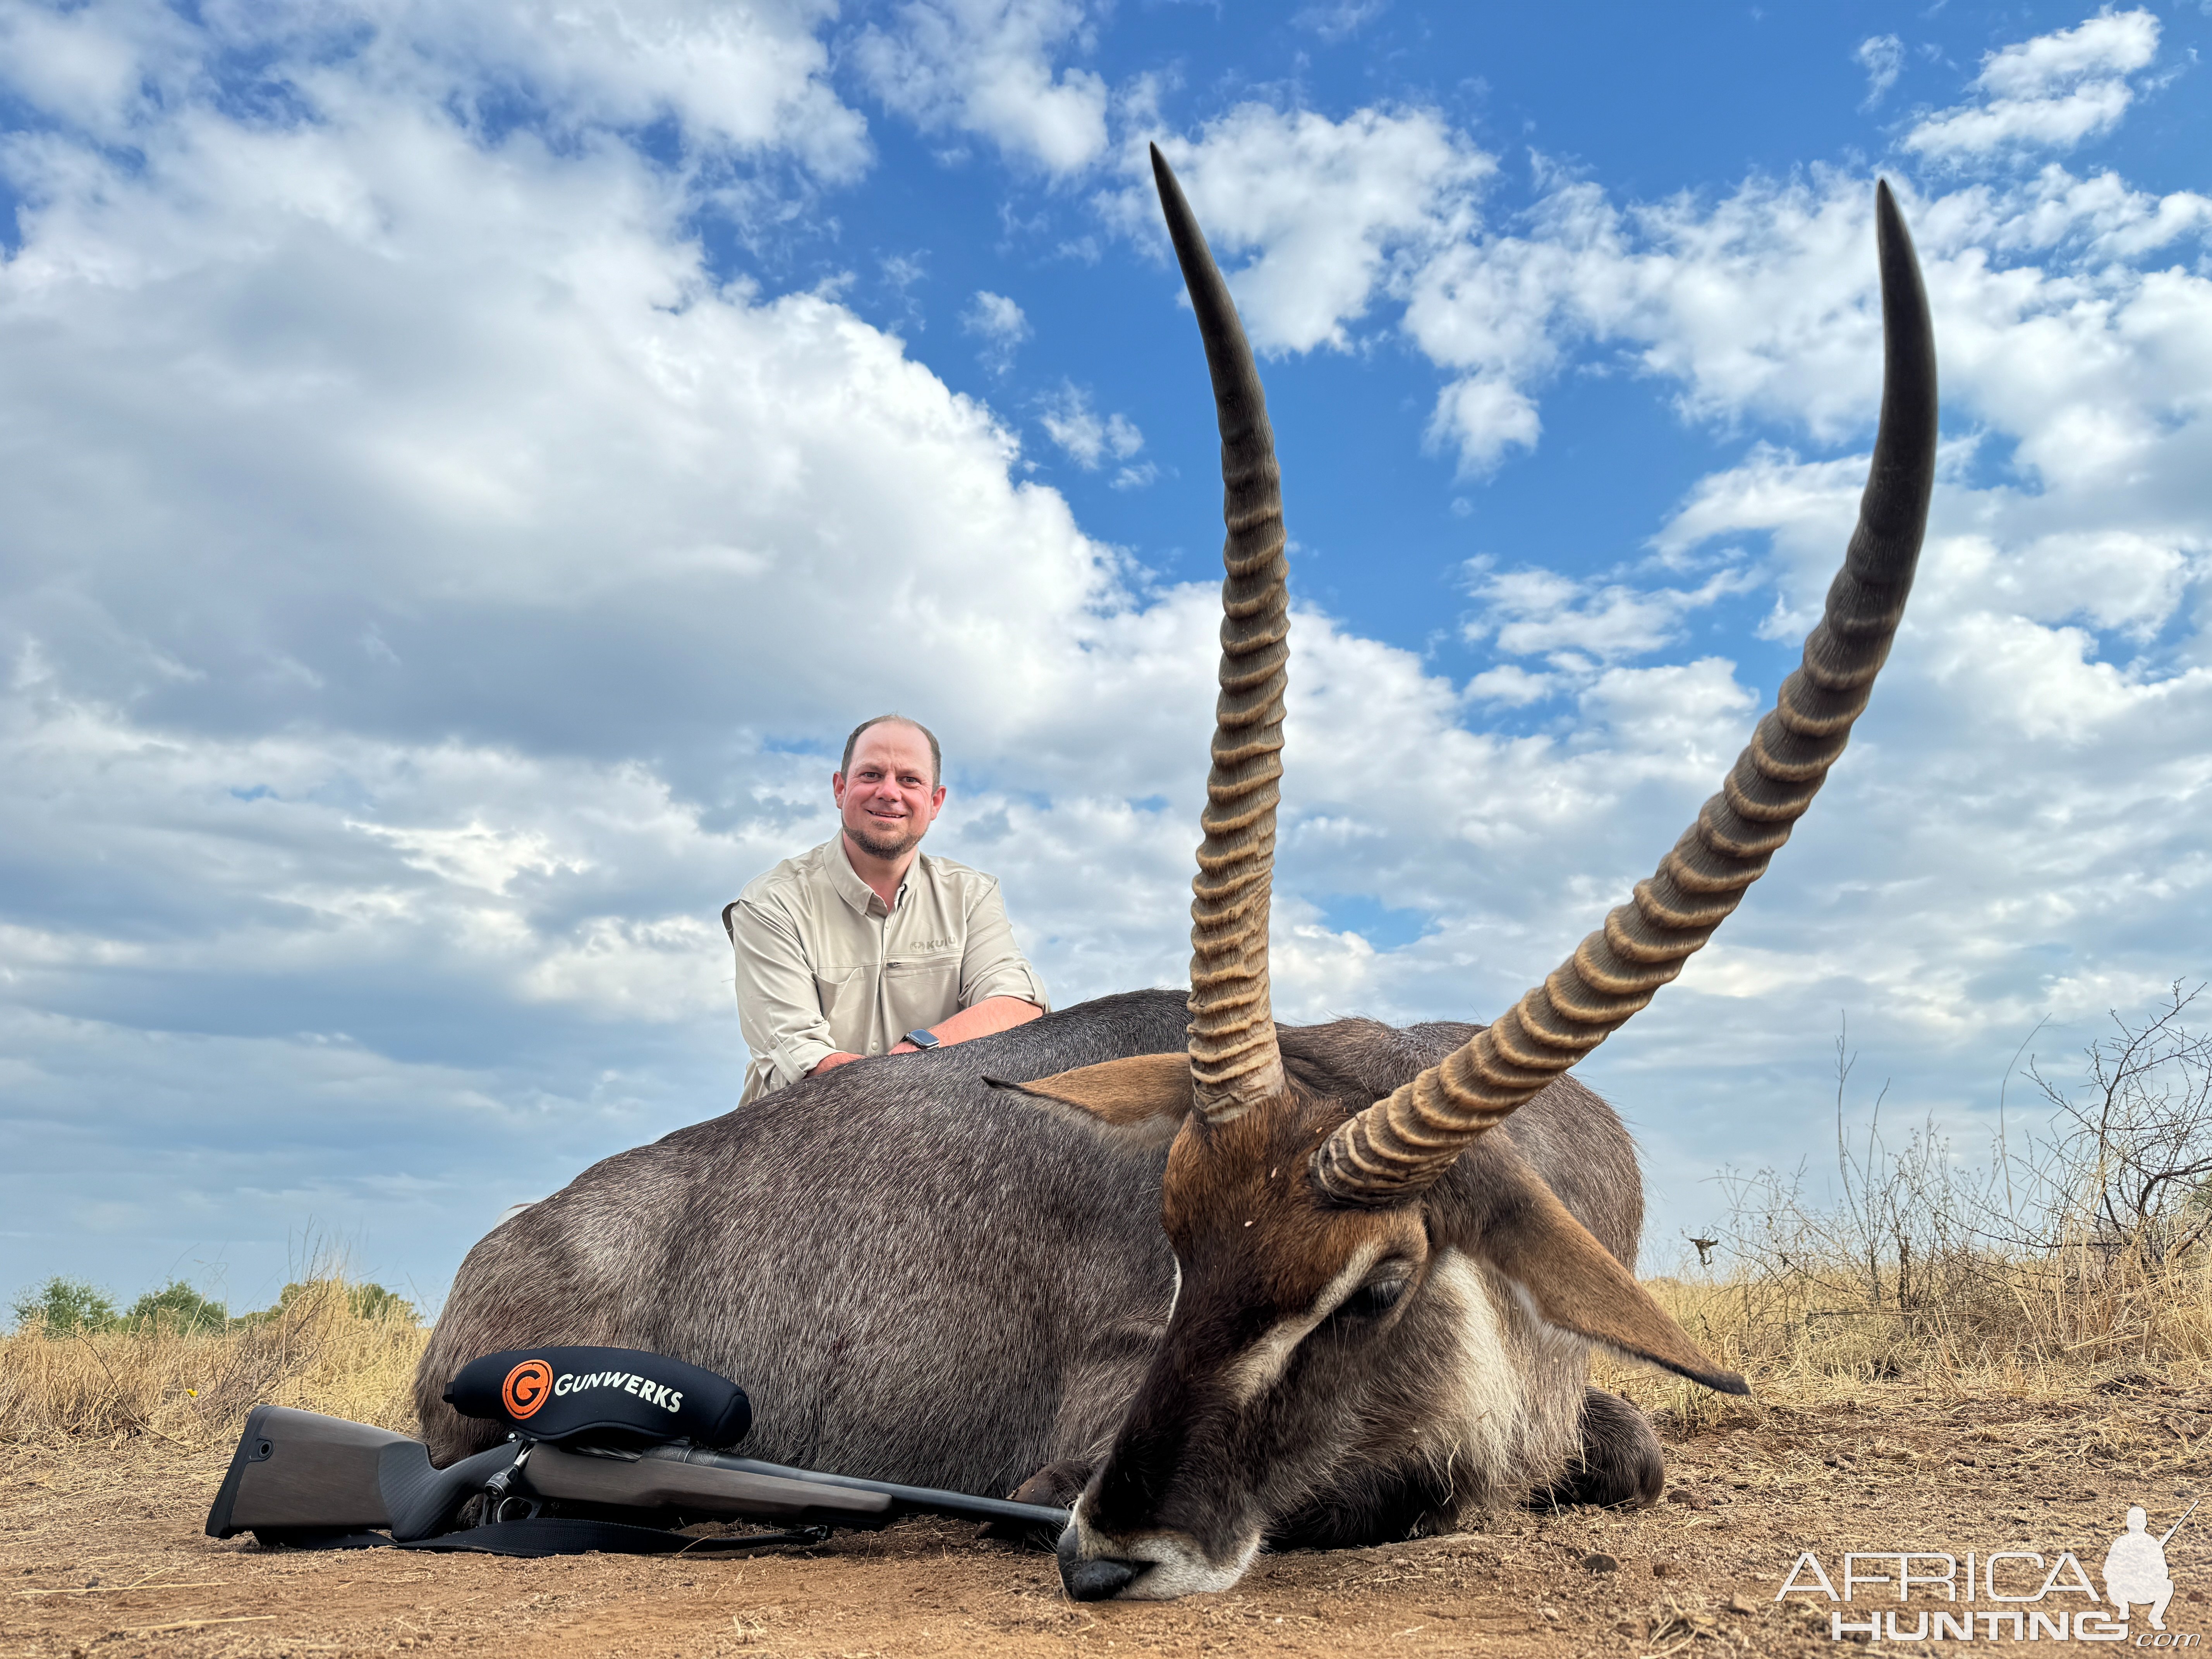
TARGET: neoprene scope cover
(560,1394)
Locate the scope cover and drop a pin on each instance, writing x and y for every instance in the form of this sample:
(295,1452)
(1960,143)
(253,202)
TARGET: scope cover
(560,1394)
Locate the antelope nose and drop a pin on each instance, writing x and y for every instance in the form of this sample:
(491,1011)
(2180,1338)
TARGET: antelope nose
(1096,1579)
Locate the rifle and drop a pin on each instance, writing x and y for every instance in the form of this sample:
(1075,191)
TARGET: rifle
(2176,1526)
(601,1475)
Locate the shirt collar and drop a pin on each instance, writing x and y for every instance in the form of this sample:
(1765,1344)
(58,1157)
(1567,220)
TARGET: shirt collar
(854,891)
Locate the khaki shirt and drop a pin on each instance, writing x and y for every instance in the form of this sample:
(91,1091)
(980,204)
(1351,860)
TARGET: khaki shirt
(822,966)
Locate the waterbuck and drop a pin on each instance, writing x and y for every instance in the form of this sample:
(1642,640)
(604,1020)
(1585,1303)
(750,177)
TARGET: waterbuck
(1216,1282)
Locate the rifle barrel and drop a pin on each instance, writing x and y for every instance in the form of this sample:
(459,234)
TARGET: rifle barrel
(929,1500)
(2176,1526)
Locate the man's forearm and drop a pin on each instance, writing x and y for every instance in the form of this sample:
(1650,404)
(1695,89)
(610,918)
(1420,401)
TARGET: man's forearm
(992,1014)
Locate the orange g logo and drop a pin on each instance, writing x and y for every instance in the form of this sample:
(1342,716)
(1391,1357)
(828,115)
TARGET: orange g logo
(528,1386)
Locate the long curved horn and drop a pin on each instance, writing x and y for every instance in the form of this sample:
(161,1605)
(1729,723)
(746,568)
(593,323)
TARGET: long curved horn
(1397,1147)
(1233,1062)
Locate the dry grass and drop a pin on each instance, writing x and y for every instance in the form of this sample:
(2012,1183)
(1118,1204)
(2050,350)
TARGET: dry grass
(196,1389)
(2077,1256)
(2041,1330)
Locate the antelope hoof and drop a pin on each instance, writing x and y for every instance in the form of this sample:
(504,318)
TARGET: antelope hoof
(1619,1462)
(1054,1487)
(1098,1578)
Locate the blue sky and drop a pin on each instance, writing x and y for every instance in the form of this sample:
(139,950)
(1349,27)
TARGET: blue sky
(466,468)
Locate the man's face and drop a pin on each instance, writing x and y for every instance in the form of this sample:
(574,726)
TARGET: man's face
(887,801)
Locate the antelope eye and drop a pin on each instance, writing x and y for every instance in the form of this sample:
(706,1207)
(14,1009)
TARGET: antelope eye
(1376,1298)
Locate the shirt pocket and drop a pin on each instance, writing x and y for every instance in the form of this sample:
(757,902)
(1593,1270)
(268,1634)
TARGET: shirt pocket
(847,996)
(922,989)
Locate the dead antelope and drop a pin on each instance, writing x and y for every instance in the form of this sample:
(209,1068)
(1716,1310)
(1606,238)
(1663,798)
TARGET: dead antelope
(1228,1284)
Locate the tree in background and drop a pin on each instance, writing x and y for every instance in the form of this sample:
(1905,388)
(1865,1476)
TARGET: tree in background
(375,1302)
(66,1304)
(364,1301)
(181,1308)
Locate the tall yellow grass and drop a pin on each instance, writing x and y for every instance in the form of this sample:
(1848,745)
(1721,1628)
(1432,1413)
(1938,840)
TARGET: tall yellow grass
(196,1389)
(2043,1327)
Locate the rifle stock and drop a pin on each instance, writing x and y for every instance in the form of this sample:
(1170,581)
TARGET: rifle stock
(300,1475)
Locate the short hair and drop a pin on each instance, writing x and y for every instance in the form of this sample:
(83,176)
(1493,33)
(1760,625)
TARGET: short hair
(936,755)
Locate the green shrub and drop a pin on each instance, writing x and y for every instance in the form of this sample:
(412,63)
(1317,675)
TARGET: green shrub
(375,1302)
(181,1308)
(66,1304)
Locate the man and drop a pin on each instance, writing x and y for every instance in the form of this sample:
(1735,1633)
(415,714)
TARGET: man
(866,945)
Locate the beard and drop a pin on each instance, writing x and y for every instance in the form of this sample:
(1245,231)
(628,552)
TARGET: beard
(878,844)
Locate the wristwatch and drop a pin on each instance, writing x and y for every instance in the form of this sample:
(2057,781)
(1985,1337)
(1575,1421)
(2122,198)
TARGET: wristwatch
(920,1038)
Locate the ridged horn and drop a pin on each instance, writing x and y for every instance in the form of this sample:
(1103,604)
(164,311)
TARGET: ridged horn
(1396,1147)
(1233,1062)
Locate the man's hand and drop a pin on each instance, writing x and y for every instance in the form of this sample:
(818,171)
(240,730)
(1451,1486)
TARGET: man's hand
(831,1062)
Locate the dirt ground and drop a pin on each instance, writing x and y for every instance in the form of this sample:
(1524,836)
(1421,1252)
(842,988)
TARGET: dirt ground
(101,1552)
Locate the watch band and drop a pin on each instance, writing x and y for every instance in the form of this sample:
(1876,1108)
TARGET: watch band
(921,1037)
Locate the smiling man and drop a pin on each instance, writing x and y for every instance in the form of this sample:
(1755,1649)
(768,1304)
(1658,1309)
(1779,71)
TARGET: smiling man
(866,945)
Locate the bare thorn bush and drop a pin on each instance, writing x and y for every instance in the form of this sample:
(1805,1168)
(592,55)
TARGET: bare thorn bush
(2076,1251)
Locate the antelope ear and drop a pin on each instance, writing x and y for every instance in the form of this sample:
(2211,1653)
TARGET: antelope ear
(1143,1089)
(1575,1282)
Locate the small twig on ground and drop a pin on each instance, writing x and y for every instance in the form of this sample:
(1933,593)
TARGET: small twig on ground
(129,1589)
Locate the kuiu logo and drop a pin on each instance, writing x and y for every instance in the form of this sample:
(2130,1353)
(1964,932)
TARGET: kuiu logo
(657,1393)
(2135,1575)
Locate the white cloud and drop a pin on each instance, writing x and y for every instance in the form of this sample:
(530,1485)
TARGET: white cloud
(2050,123)
(1882,57)
(1324,207)
(751,79)
(476,855)
(1760,304)
(1484,416)
(753,76)
(1089,438)
(2107,44)
(1510,685)
(999,323)
(1341,21)
(1539,613)
(2052,92)
(986,67)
